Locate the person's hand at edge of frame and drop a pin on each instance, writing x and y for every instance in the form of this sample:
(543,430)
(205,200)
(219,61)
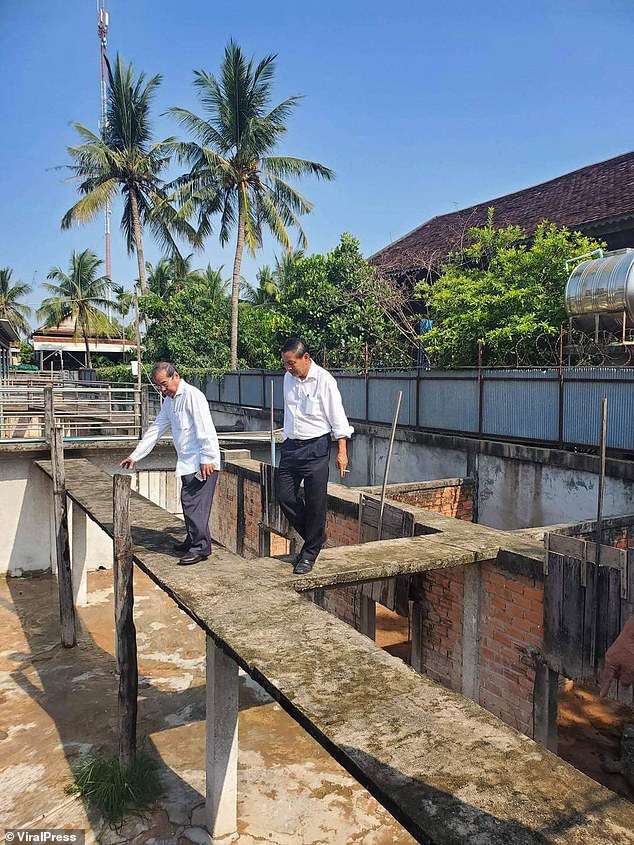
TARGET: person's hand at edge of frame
(127,463)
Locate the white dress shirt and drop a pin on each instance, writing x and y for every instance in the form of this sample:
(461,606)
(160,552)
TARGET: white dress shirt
(313,406)
(195,438)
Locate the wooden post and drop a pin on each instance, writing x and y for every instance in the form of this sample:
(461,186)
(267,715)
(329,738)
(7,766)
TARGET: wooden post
(49,413)
(145,408)
(62,545)
(124,622)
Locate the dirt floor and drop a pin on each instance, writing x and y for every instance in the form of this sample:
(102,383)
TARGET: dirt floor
(589,733)
(59,704)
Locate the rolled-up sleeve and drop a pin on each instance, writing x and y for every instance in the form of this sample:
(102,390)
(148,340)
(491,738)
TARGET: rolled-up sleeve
(154,432)
(205,430)
(333,408)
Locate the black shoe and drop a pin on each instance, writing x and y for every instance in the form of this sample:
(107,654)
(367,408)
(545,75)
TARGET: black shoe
(187,560)
(182,547)
(303,566)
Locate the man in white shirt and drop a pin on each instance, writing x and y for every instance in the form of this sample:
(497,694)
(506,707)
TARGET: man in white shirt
(186,411)
(313,414)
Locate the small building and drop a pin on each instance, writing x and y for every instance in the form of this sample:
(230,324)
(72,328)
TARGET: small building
(597,200)
(9,344)
(62,347)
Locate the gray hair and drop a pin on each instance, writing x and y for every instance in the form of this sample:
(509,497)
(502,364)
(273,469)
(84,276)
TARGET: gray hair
(163,367)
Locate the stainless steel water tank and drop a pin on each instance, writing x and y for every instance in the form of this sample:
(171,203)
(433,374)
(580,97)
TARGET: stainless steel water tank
(604,287)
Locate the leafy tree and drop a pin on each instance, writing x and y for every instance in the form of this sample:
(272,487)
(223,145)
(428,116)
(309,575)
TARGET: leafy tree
(11,308)
(190,328)
(126,160)
(79,295)
(504,289)
(335,303)
(265,294)
(232,171)
(258,347)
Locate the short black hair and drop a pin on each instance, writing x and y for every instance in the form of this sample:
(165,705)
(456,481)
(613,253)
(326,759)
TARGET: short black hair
(295,346)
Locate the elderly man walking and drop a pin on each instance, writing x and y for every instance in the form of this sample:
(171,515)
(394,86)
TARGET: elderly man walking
(186,410)
(313,415)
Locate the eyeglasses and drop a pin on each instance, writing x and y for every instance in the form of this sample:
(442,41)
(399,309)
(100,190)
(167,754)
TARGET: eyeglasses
(162,385)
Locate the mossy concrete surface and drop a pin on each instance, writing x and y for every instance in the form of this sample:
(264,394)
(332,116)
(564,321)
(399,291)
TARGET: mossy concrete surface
(448,771)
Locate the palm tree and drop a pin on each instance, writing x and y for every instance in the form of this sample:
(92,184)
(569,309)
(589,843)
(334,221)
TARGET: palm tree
(265,294)
(80,296)
(232,171)
(212,279)
(11,308)
(126,160)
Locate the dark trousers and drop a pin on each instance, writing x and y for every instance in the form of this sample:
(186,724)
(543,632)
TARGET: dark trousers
(307,461)
(196,499)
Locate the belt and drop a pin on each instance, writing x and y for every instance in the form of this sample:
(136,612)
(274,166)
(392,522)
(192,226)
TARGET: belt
(306,440)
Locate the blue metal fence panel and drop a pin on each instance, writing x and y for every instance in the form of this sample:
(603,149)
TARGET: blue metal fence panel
(521,403)
(584,389)
(229,389)
(382,392)
(212,389)
(448,400)
(251,388)
(352,389)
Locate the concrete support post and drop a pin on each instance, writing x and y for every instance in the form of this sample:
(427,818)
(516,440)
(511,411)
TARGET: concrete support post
(416,659)
(545,707)
(79,553)
(471,603)
(221,759)
(367,615)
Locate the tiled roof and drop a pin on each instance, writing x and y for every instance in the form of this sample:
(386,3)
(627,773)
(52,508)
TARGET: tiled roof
(584,198)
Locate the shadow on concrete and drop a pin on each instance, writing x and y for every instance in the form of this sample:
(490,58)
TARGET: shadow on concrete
(78,687)
(446,818)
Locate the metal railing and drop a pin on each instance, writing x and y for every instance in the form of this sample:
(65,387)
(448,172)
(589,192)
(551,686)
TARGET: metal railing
(85,411)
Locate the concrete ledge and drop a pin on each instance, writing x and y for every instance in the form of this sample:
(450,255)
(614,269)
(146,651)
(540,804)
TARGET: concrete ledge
(447,770)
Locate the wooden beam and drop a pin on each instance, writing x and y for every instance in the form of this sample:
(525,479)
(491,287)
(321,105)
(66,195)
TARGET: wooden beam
(124,621)
(62,545)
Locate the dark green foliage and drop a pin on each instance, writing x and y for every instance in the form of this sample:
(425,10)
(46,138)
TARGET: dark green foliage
(191,328)
(506,290)
(335,302)
(113,792)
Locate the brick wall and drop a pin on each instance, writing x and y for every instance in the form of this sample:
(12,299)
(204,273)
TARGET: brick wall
(224,513)
(511,636)
(451,497)
(441,628)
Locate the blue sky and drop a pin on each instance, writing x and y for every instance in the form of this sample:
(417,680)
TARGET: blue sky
(420,108)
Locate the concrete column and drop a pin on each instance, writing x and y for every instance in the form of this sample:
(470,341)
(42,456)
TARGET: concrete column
(221,759)
(78,546)
(416,660)
(367,615)
(471,603)
(545,707)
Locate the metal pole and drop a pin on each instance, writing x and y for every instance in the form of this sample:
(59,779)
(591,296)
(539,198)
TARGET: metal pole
(399,396)
(604,428)
(272,428)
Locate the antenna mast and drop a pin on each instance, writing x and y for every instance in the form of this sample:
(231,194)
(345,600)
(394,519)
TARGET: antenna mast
(102,31)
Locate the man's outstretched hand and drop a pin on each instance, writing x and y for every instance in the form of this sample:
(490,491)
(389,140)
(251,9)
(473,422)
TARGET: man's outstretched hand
(619,660)
(127,463)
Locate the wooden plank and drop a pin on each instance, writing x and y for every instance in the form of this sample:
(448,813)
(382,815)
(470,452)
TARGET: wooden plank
(590,610)
(567,546)
(572,619)
(553,604)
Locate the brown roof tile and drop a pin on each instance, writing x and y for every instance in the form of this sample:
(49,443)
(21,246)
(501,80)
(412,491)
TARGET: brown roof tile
(584,198)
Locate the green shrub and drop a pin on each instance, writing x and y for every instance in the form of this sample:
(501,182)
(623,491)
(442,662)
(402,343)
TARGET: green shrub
(106,787)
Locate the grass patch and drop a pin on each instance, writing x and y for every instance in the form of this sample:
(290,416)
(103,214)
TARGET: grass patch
(114,792)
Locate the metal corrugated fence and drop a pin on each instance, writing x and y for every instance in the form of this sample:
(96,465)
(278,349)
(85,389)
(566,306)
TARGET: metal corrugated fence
(552,406)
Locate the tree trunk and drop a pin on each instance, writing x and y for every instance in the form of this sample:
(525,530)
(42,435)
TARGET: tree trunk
(235,287)
(88,358)
(138,239)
